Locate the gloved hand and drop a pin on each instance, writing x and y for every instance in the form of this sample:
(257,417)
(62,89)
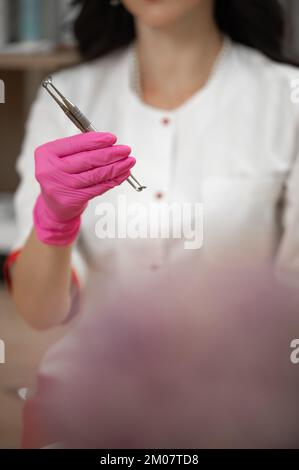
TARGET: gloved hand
(70,172)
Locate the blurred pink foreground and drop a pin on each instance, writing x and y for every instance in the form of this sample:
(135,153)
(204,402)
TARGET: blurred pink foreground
(190,360)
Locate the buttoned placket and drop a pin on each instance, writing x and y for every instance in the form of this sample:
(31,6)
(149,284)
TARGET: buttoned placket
(168,174)
(162,191)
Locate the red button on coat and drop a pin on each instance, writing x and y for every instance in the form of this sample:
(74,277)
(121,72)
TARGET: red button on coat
(165,121)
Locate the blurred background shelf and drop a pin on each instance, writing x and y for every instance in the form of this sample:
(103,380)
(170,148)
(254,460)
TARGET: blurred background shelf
(36,38)
(38,61)
(22,75)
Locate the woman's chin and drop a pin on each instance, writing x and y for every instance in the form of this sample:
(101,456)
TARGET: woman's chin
(158,21)
(161,13)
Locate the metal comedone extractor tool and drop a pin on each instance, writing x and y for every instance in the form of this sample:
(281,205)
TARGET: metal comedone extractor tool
(79,120)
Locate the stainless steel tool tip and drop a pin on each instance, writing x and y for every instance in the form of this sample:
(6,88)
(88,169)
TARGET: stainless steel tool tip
(47,81)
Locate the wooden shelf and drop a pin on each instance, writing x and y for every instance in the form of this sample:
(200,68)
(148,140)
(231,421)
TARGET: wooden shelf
(23,73)
(39,61)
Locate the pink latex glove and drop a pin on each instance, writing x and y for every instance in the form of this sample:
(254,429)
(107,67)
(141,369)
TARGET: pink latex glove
(70,172)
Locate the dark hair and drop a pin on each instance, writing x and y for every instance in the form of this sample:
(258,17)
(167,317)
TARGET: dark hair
(101,28)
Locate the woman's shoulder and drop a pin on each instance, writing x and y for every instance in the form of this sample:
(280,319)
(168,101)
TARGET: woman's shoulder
(266,81)
(102,65)
(258,66)
(89,76)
